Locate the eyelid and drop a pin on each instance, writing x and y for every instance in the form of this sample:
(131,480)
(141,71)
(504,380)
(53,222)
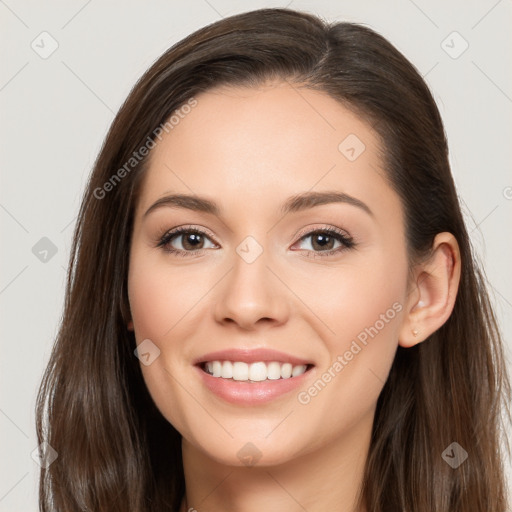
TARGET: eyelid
(312,230)
(179,230)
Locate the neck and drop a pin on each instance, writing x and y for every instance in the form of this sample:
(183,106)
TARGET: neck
(326,479)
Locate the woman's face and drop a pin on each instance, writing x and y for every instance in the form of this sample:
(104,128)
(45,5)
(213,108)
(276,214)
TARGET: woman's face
(259,272)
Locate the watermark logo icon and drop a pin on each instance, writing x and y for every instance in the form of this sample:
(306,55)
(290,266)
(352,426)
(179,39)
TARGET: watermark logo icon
(44,45)
(146,352)
(454,455)
(454,45)
(44,250)
(249,249)
(351,147)
(249,454)
(44,455)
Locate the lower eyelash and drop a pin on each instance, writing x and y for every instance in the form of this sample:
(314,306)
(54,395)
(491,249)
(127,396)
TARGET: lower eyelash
(347,242)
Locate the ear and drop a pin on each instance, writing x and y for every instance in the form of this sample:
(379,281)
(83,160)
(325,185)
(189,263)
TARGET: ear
(432,292)
(129,325)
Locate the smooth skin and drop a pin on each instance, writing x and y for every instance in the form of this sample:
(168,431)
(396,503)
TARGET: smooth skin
(249,150)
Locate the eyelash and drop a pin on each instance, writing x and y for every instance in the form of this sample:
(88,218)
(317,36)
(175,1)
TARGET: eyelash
(346,241)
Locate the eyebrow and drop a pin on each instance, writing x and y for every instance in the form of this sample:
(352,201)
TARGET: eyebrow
(296,203)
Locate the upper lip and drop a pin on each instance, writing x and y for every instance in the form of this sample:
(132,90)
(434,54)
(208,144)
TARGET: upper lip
(252,355)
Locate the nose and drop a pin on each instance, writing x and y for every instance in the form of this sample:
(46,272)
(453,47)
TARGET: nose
(251,295)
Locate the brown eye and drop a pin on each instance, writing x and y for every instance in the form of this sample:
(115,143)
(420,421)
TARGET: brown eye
(326,240)
(185,241)
(321,242)
(192,241)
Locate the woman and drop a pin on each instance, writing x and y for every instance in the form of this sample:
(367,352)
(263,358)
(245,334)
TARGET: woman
(272,302)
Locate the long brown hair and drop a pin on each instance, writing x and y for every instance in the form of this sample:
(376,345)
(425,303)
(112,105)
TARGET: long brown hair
(116,452)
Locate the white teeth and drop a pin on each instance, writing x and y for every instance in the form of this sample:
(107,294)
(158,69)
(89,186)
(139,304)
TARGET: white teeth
(227,370)
(286,371)
(253,372)
(273,371)
(298,370)
(258,371)
(240,371)
(217,368)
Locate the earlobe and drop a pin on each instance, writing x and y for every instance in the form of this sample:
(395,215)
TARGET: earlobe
(435,287)
(130,325)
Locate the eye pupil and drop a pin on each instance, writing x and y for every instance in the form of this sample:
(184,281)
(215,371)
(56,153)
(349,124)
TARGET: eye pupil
(322,240)
(192,240)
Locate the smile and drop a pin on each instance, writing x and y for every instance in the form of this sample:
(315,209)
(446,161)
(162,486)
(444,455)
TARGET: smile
(253,372)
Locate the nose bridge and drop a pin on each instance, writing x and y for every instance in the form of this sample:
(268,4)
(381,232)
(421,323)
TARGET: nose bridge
(251,291)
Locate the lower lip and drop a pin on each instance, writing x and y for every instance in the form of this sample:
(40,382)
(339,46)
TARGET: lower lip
(251,393)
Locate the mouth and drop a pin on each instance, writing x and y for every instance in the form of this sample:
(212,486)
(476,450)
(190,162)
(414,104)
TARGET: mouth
(253,384)
(255,376)
(254,372)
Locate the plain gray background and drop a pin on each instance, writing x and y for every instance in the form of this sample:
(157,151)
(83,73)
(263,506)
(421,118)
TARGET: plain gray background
(56,109)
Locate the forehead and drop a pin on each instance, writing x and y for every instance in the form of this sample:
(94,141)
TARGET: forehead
(256,145)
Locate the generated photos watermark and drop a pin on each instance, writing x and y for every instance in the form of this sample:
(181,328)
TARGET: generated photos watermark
(143,151)
(362,339)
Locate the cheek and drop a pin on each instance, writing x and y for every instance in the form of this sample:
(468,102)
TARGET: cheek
(159,300)
(362,307)
(167,305)
(151,304)
(357,297)
(160,296)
